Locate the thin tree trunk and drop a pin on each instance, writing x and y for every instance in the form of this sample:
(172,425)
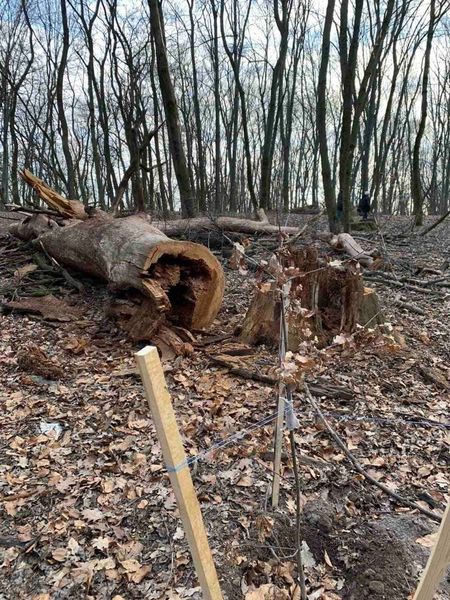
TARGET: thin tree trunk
(71,181)
(171,111)
(416,183)
(321,118)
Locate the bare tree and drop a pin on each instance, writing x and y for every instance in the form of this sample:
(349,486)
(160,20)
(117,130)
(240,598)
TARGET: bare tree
(171,111)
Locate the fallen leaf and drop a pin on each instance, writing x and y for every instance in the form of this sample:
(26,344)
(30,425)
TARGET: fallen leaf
(22,271)
(59,554)
(179,534)
(428,541)
(92,514)
(101,543)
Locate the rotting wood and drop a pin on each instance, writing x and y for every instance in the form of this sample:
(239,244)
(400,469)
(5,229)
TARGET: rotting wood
(48,307)
(70,209)
(176,282)
(172,281)
(325,299)
(33,359)
(73,209)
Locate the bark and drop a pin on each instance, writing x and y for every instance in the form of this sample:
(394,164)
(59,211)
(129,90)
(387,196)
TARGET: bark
(189,226)
(198,117)
(354,103)
(71,182)
(70,209)
(275,99)
(321,115)
(134,167)
(235,65)
(416,183)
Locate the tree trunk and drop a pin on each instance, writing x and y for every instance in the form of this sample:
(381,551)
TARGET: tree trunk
(321,116)
(171,111)
(71,183)
(416,184)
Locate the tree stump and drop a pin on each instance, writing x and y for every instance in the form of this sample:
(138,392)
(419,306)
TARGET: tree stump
(325,299)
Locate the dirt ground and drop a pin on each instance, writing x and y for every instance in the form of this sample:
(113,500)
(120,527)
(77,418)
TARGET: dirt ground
(86,507)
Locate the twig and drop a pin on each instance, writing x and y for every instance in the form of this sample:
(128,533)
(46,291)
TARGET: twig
(70,280)
(397,497)
(319,389)
(305,227)
(243,372)
(379,279)
(408,306)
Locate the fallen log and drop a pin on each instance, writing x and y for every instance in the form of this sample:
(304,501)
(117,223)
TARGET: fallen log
(344,242)
(427,230)
(74,209)
(158,279)
(188,227)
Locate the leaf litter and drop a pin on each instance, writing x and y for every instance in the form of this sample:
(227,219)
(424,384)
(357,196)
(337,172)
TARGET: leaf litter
(87,509)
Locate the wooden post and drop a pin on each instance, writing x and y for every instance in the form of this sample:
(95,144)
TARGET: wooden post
(278,447)
(437,563)
(279,423)
(180,476)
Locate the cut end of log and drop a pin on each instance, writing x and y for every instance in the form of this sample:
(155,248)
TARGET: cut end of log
(186,281)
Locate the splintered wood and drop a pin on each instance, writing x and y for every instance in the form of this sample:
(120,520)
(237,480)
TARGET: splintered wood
(326,298)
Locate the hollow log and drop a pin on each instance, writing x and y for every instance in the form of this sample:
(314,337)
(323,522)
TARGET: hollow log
(325,300)
(157,279)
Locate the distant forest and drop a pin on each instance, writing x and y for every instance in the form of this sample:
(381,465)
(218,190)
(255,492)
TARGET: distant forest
(281,104)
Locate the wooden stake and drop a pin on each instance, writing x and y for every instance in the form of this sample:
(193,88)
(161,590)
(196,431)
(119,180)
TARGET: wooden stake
(278,447)
(180,476)
(437,563)
(279,424)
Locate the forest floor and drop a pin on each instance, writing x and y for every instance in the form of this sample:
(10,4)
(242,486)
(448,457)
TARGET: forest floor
(86,507)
